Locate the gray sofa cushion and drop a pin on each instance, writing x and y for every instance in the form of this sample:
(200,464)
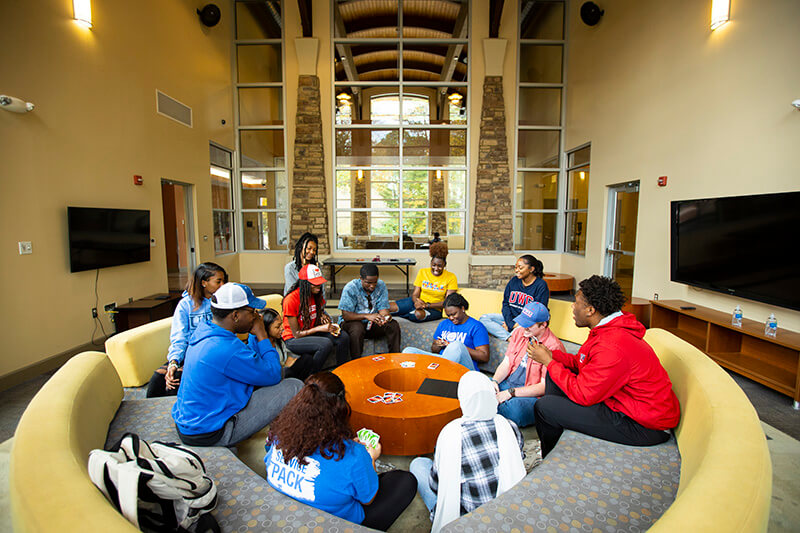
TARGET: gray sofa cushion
(586,484)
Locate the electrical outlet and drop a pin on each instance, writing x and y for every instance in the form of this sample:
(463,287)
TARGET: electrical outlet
(130,300)
(655,296)
(94,312)
(109,308)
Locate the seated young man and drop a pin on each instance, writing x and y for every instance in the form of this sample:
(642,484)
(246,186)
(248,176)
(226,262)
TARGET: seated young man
(365,312)
(615,388)
(230,390)
(460,338)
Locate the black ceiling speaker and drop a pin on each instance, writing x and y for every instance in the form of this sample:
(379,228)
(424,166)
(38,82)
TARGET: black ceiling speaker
(210,15)
(591,13)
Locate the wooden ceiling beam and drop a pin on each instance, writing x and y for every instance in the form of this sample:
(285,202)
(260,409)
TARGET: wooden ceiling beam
(495,14)
(305,17)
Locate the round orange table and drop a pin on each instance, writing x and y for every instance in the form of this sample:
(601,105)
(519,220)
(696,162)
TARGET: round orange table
(412,426)
(559,282)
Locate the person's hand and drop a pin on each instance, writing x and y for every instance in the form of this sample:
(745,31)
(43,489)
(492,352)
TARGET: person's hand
(170,378)
(331,328)
(503,396)
(495,385)
(419,304)
(385,319)
(373,451)
(540,353)
(375,318)
(325,318)
(257,328)
(439,343)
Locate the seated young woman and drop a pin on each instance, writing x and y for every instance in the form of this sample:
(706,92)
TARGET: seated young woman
(307,329)
(478,456)
(314,457)
(193,309)
(526,286)
(431,287)
(461,338)
(305,253)
(519,380)
(273,324)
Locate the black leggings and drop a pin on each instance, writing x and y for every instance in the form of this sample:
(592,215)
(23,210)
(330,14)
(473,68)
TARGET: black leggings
(555,412)
(312,351)
(396,489)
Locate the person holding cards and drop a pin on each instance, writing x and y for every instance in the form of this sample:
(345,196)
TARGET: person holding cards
(314,457)
(478,456)
(365,311)
(307,328)
(519,380)
(461,338)
(431,287)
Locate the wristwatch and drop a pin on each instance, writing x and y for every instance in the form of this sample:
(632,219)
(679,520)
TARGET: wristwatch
(513,392)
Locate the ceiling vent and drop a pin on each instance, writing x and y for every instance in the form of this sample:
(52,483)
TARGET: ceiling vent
(171,108)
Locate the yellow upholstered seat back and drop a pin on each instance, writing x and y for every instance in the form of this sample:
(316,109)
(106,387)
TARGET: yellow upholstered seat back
(482,301)
(49,478)
(136,353)
(562,323)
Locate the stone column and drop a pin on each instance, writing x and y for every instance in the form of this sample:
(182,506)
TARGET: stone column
(309,201)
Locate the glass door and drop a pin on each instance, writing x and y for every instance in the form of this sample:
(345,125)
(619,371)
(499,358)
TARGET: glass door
(623,211)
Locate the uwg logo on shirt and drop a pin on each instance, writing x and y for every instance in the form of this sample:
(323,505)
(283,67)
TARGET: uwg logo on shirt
(293,479)
(195,320)
(519,298)
(453,336)
(431,286)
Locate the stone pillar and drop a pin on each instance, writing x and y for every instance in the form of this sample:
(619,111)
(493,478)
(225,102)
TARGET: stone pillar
(493,224)
(309,197)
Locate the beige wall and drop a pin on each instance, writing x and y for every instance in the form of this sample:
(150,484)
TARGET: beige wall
(657,93)
(94,127)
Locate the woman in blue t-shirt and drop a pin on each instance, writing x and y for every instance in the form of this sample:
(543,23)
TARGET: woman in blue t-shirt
(461,338)
(314,457)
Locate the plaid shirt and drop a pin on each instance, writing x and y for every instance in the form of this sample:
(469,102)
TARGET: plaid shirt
(479,460)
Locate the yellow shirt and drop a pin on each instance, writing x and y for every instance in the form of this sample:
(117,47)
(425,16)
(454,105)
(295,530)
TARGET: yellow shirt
(434,288)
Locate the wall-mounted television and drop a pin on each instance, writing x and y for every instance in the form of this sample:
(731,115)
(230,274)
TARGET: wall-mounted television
(100,238)
(745,246)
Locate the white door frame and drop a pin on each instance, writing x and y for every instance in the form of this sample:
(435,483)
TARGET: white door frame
(613,248)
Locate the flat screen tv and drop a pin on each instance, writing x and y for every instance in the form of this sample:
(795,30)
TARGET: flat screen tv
(100,238)
(745,246)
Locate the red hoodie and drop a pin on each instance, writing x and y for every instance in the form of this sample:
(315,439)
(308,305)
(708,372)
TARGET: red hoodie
(617,367)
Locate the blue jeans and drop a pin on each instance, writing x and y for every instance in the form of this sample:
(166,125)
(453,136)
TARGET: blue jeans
(494,324)
(421,468)
(455,351)
(405,309)
(520,410)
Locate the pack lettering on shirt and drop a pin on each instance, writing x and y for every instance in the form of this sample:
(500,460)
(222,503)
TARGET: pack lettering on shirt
(453,336)
(520,298)
(293,479)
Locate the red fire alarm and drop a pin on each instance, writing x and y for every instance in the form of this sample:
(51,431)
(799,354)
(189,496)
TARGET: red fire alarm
(137,180)
(662,181)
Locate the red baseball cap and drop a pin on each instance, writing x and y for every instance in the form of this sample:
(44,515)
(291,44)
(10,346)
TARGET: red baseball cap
(312,274)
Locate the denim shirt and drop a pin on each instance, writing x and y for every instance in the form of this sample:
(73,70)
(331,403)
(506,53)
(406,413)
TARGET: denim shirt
(354,298)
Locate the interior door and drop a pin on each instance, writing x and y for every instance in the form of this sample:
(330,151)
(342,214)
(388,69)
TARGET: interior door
(623,212)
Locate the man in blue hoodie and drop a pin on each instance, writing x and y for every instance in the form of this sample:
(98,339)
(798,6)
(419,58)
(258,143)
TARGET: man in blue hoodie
(230,390)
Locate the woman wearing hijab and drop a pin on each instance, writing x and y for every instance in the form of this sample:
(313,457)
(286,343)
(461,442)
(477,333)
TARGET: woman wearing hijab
(478,456)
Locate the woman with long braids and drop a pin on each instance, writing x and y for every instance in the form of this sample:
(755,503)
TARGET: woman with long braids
(305,253)
(193,309)
(526,286)
(308,330)
(314,457)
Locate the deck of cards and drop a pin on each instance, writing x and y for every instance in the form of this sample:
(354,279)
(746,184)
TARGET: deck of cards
(387,397)
(433,366)
(368,437)
(378,358)
(408,364)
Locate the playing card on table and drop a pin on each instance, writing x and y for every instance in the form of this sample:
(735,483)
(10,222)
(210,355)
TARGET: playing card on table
(394,399)
(378,358)
(375,399)
(433,366)
(408,364)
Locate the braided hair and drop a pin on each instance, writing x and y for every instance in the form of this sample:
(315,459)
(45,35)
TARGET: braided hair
(304,288)
(300,247)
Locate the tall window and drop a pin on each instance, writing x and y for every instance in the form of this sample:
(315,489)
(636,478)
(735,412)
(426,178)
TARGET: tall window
(222,198)
(260,135)
(400,95)
(577,207)
(539,125)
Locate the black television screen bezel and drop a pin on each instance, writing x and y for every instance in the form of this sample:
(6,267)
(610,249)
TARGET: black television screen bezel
(95,266)
(749,295)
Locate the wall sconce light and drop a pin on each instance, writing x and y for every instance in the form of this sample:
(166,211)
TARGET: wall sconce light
(720,13)
(455,98)
(9,103)
(582,175)
(438,175)
(344,98)
(360,175)
(82,12)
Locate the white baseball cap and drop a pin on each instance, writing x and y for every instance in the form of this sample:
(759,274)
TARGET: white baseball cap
(235,296)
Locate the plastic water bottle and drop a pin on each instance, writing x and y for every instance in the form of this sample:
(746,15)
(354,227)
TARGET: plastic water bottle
(736,319)
(771,327)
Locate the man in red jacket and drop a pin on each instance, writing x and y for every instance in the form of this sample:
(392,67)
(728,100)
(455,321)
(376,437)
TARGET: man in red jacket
(615,387)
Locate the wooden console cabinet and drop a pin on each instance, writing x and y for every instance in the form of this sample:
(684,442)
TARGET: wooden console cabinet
(745,350)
